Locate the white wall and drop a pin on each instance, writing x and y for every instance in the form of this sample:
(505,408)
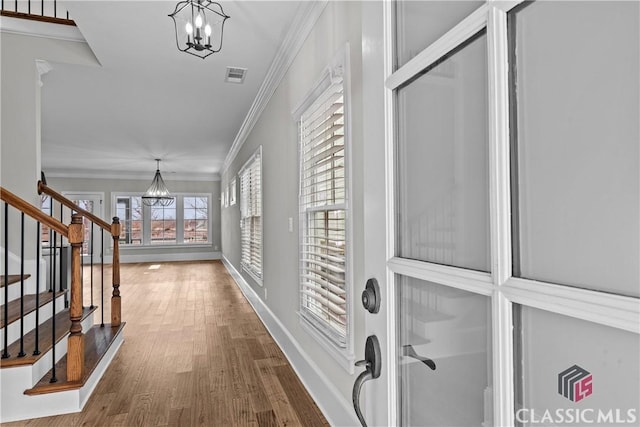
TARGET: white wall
(276,132)
(20,113)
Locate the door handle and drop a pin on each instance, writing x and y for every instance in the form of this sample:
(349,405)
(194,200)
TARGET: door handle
(409,351)
(373,366)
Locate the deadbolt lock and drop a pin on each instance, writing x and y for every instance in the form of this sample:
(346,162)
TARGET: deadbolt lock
(371,296)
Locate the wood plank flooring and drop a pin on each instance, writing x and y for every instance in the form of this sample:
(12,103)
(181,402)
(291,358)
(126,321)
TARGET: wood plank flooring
(195,354)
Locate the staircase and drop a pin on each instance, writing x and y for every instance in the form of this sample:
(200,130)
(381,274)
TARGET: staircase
(54,348)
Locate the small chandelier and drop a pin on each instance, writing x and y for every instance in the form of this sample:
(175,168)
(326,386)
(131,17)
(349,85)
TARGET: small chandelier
(199,27)
(158,193)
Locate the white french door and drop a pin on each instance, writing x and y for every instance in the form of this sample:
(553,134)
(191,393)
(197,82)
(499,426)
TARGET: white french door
(92,202)
(511,274)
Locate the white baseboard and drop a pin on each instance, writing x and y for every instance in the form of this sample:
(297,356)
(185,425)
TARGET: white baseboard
(165,257)
(336,409)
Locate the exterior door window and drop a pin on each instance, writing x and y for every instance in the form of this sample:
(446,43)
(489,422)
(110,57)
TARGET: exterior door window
(515,206)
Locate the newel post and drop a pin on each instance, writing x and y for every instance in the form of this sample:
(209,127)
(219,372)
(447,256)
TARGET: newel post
(75,349)
(115,298)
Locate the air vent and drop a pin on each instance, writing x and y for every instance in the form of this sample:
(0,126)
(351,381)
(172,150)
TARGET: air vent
(235,75)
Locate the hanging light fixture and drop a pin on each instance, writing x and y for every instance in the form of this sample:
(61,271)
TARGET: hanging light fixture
(158,193)
(199,27)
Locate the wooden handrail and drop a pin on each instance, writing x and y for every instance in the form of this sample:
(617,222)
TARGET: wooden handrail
(43,188)
(40,18)
(33,212)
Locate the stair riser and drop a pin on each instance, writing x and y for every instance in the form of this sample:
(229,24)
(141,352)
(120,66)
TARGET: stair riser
(13,330)
(19,406)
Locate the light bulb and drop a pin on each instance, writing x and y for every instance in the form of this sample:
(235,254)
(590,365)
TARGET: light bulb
(189,28)
(207,29)
(199,21)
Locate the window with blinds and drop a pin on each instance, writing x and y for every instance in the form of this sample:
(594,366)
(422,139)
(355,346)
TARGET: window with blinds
(251,216)
(323,212)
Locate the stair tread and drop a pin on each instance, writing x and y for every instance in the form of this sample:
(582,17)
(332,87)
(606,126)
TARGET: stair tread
(63,323)
(97,342)
(12,278)
(29,306)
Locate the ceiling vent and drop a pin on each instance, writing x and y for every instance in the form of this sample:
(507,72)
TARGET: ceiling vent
(235,75)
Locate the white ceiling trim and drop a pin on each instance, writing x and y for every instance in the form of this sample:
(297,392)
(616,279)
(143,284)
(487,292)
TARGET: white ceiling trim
(48,30)
(304,21)
(147,175)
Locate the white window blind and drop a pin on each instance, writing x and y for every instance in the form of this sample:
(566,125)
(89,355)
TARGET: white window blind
(251,216)
(323,266)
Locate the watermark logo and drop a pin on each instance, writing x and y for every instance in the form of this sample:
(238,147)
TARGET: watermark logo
(575,383)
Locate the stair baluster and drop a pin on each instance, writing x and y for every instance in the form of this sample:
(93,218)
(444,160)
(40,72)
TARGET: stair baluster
(91,248)
(36,350)
(50,269)
(102,278)
(53,240)
(61,259)
(21,353)
(5,352)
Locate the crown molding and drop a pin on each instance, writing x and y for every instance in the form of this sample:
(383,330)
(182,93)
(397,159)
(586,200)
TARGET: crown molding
(304,21)
(27,27)
(122,175)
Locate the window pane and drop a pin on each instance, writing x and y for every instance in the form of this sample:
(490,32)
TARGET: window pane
(420,23)
(250,216)
(452,328)
(129,212)
(443,204)
(195,220)
(572,365)
(323,273)
(163,224)
(578,143)
(323,196)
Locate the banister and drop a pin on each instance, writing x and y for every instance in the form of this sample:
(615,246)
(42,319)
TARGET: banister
(30,16)
(33,212)
(43,188)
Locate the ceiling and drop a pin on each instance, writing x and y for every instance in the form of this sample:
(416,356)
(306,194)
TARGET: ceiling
(148,100)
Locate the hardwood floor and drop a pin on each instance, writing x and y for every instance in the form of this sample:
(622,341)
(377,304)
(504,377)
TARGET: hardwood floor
(195,354)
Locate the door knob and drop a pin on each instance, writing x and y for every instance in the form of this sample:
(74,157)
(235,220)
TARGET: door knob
(373,366)
(371,296)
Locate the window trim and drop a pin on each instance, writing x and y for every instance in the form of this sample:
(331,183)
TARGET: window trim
(338,68)
(146,217)
(257,155)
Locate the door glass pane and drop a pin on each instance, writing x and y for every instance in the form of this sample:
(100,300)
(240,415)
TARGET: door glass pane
(452,328)
(574,372)
(578,158)
(420,23)
(443,201)
(87,243)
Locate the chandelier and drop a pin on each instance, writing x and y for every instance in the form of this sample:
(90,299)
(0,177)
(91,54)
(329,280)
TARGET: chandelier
(199,27)
(158,193)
